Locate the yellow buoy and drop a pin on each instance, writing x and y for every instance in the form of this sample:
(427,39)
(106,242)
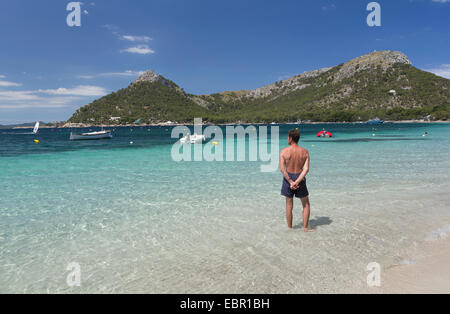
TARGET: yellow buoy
(36,141)
(215,143)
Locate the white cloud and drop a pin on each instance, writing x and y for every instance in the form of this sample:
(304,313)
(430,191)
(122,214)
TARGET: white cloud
(48,98)
(128,73)
(442,70)
(81,90)
(41,102)
(441,1)
(6,83)
(136,38)
(9,84)
(17,96)
(141,49)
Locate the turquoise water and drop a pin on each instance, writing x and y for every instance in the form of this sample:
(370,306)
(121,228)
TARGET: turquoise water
(136,221)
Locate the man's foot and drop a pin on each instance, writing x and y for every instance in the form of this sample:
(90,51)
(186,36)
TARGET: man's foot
(308,230)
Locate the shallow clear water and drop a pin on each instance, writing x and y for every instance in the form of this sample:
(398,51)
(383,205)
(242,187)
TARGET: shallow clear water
(136,221)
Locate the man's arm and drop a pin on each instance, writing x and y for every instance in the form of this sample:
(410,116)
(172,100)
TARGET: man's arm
(283,168)
(304,172)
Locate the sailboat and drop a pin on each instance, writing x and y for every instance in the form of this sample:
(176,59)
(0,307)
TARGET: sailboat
(36,128)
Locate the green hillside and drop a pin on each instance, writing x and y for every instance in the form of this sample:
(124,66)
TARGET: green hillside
(426,94)
(382,84)
(148,101)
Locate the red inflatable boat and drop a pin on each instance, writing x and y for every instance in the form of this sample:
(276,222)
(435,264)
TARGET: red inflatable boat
(324,134)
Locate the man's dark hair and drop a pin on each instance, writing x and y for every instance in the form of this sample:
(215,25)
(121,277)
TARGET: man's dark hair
(294,135)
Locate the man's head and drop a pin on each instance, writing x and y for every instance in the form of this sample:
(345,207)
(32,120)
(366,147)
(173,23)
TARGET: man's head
(294,137)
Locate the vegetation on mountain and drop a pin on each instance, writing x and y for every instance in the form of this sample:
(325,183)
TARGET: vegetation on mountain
(151,102)
(381,84)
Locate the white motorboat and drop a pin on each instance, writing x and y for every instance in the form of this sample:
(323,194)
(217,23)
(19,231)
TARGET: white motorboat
(193,139)
(186,139)
(198,139)
(100,135)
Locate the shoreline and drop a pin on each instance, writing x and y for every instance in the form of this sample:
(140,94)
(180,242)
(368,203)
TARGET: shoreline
(84,126)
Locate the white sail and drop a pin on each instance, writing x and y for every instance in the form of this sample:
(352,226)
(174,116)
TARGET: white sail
(36,128)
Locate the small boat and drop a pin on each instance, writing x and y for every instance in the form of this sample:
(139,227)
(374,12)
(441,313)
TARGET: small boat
(100,135)
(186,139)
(197,139)
(36,128)
(193,139)
(324,134)
(376,121)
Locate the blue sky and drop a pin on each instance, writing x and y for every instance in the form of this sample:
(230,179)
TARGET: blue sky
(48,69)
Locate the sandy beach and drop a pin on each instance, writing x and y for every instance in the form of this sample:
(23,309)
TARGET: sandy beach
(427,273)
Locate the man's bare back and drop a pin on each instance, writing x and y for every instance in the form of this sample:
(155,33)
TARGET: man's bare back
(295,158)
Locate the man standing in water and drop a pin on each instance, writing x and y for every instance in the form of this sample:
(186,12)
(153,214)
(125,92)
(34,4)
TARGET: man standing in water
(294,164)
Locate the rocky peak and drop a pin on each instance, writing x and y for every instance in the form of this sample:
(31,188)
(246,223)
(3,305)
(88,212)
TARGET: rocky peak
(151,77)
(148,76)
(383,59)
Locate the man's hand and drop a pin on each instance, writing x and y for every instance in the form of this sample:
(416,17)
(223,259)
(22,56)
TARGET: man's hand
(294,186)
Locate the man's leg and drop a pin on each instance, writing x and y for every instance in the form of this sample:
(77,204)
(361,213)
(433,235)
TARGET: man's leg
(289,207)
(306,214)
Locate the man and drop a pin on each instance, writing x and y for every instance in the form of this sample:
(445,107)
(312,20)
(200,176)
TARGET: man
(294,164)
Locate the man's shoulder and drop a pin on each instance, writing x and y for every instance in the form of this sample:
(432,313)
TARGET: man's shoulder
(304,150)
(285,152)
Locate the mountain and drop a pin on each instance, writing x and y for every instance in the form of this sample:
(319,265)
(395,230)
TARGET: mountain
(151,98)
(382,84)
